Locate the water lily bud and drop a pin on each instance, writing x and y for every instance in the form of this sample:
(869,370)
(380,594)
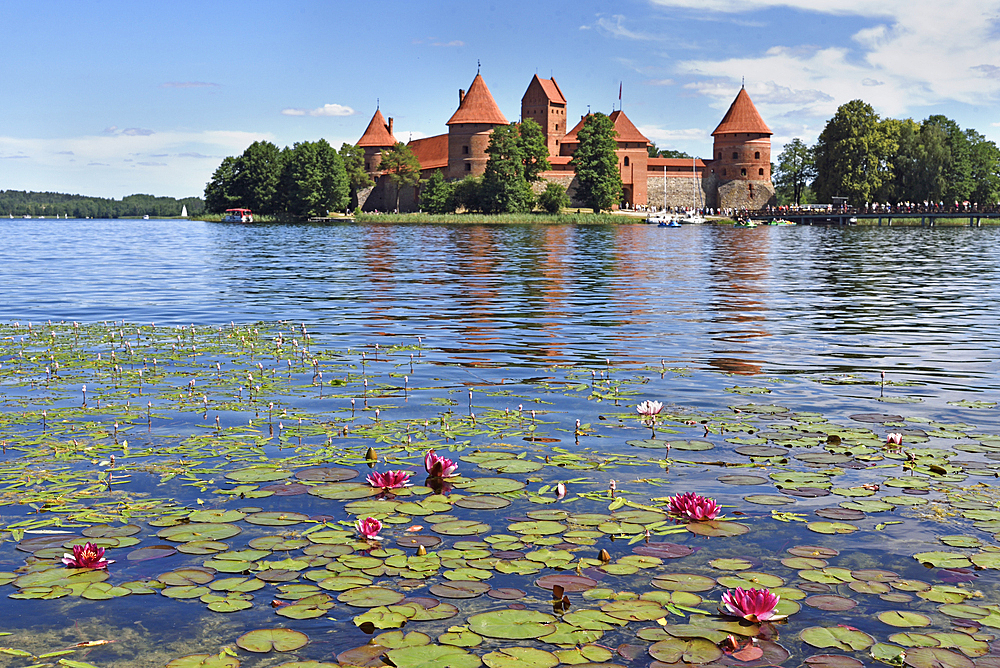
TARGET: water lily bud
(371,455)
(604,556)
(421,551)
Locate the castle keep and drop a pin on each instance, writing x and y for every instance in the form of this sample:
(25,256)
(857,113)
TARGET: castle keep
(738,175)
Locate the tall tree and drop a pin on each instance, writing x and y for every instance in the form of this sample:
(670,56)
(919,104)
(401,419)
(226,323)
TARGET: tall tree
(504,188)
(401,166)
(354,164)
(258,172)
(957,171)
(796,168)
(220,191)
(435,196)
(334,185)
(984,162)
(853,155)
(534,151)
(596,163)
(920,163)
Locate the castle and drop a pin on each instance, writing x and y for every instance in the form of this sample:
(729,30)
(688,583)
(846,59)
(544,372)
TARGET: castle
(737,177)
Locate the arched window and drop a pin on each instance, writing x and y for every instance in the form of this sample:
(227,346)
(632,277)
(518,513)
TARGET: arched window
(626,161)
(743,172)
(761,171)
(756,156)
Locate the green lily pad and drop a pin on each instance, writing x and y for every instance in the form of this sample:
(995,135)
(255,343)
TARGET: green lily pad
(432,656)
(903,618)
(482,502)
(736,479)
(683,582)
(515,657)
(717,528)
(840,637)
(265,640)
(204,661)
(258,474)
(184,533)
(943,559)
(491,486)
(276,518)
(687,650)
(934,657)
(512,624)
(768,499)
(460,528)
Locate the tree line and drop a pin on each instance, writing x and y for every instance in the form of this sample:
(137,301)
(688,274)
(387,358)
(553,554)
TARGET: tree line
(311,179)
(19,203)
(868,159)
(306,180)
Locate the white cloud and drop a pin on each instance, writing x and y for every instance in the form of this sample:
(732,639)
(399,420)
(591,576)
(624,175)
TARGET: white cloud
(325,110)
(614,26)
(918,53)
(667,135)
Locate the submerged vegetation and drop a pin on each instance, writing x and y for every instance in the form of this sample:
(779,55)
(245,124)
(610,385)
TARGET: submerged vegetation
(257,490)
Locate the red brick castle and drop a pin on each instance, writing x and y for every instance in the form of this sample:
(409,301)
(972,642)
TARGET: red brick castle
(738,175)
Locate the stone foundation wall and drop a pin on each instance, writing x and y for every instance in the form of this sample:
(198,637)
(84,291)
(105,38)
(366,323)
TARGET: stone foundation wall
(679,192)
(382,197)
(746,195)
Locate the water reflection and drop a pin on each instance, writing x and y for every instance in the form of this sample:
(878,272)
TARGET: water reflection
(919,302)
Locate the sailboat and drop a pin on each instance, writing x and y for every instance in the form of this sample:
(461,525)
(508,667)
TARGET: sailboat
(692,217)
(184,211)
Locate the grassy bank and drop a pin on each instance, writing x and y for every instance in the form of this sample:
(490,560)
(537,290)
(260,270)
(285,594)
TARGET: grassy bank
(481,218)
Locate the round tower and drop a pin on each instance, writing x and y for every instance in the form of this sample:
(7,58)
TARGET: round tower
(742,157)
(469,130)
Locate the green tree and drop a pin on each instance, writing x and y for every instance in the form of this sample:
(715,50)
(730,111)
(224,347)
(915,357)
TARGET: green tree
(354,164)
(853,155)
(796,168)
(256,178)
(436,194)
(656,152)
(220,192)
(534,151)
(984,169)
(401,166)
(957,170)
(334,184)
(553,198)
(596,163)
(920,164)
(504,188)
(466,194)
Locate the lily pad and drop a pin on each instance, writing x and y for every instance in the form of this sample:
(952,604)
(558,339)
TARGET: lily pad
(432,656)
(512,624)
(687,650)
(265,640)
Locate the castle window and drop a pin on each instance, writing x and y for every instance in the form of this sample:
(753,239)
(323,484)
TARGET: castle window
(465,150)
(743,172)
(756,156)
(468,167)
(723,172)
(761,171)
(626,161)
(735,155)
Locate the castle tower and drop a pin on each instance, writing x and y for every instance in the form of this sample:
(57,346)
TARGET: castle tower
(469,130)
(742,157)
(545,104)
(377,136)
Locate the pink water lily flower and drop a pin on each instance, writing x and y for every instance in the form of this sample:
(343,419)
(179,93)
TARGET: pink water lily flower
(894,439)
(87,556)
(369,528)
(755,605)
(439,467)
(389,479)
(694,507)
(649,408)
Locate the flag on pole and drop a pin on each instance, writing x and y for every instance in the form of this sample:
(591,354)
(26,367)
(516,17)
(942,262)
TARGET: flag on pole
(619,94)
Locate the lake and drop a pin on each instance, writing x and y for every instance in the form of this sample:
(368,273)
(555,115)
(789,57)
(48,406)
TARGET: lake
(251,368)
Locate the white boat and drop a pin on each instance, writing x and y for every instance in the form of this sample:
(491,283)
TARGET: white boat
(146,217)
(659,218)
(690,217)
(184,211)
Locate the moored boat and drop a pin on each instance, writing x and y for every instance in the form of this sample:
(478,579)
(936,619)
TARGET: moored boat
(238,216)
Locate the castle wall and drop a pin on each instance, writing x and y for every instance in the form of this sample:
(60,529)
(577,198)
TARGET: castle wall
(679,191)
(382,197)
(742,194)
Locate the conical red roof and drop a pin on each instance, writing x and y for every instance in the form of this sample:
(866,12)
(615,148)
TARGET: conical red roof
(742,117)
(377,133)
(478,106)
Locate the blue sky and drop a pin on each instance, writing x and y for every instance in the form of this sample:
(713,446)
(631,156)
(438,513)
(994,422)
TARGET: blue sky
(112,98)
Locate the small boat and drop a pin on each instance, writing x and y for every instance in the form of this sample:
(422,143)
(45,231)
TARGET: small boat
(146,217)
(746,222)
(668,223)
(691,218)
(780,221)
(657,218)
(238,216)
